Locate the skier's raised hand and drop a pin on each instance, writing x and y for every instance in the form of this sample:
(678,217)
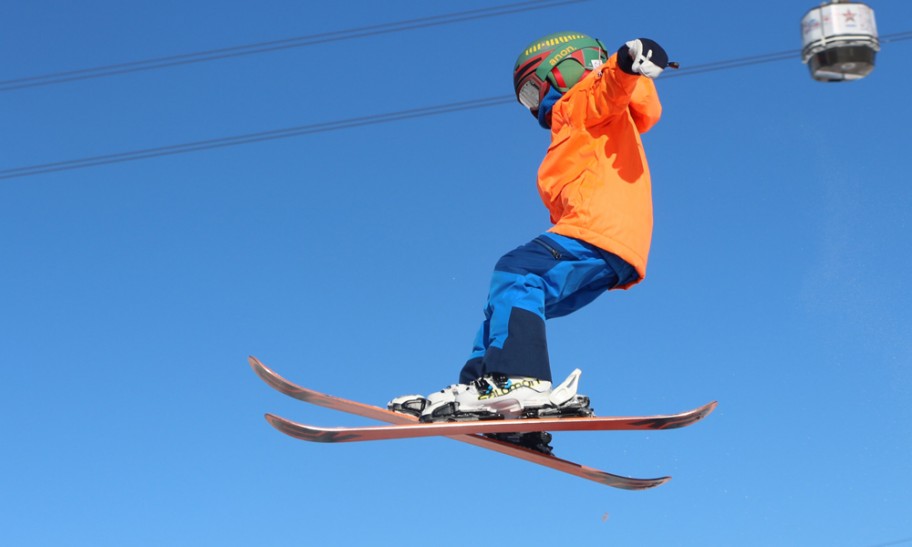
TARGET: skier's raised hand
(642,56)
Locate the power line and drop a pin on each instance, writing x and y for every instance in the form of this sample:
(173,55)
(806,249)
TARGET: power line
(374,119)
(276,45)
(897,36)
(732,63)
(766,58)
(252,137)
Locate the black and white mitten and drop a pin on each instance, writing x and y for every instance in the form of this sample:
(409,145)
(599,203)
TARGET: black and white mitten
(642,56)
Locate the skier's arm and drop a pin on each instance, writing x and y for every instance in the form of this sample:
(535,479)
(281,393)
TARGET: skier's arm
(621,86)
(645,107)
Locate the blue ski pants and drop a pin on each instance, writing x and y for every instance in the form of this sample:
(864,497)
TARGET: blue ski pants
(550,276)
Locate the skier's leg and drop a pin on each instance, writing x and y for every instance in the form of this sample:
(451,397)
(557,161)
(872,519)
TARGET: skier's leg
(551,276)
(512,339)
(582,275)
(474,366)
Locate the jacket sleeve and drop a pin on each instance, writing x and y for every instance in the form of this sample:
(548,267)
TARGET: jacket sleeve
(645,107)
(610,93)
(614,93)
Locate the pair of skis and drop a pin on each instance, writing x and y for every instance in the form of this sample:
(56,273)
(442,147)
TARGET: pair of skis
(406,426)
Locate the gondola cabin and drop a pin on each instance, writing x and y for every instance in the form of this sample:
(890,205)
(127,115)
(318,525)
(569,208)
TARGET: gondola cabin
(840,41)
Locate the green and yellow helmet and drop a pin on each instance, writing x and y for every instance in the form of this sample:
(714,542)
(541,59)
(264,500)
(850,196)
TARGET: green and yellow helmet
(557,60)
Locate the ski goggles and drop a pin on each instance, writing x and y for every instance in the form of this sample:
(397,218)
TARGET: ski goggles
(532,91)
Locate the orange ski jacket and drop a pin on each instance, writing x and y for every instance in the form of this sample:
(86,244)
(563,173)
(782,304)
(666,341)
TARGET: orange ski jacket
(594,179)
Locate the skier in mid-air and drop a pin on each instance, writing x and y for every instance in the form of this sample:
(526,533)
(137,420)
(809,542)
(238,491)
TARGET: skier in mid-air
(595,182)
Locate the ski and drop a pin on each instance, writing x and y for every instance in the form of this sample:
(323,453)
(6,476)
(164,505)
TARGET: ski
(282,385)
(408,431)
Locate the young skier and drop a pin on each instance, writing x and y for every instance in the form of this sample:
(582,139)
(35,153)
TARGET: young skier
(595,182)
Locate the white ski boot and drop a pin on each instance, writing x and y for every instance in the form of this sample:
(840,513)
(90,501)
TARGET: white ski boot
(496,396)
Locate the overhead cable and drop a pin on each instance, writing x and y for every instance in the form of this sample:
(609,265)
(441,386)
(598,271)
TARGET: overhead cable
(252,137)
(374,119)
(276,45)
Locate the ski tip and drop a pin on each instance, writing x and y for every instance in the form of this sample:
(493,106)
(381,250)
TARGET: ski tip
(626,483)
(652,483)
(705,410)
(260,369)
(278,422)
(306,432)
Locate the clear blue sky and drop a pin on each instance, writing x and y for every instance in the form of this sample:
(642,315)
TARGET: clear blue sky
(356,262)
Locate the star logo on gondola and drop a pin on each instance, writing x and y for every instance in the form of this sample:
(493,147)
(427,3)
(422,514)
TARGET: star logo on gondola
(849,16)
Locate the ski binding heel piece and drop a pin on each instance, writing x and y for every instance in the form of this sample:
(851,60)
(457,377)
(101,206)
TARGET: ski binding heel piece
(566,390)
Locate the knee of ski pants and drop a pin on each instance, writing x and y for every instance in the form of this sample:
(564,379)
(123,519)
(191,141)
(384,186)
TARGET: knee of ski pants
(519,278)
(509,290)
(551,276)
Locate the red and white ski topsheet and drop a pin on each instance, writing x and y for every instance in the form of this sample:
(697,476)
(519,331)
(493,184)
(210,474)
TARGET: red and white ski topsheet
(282,385)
